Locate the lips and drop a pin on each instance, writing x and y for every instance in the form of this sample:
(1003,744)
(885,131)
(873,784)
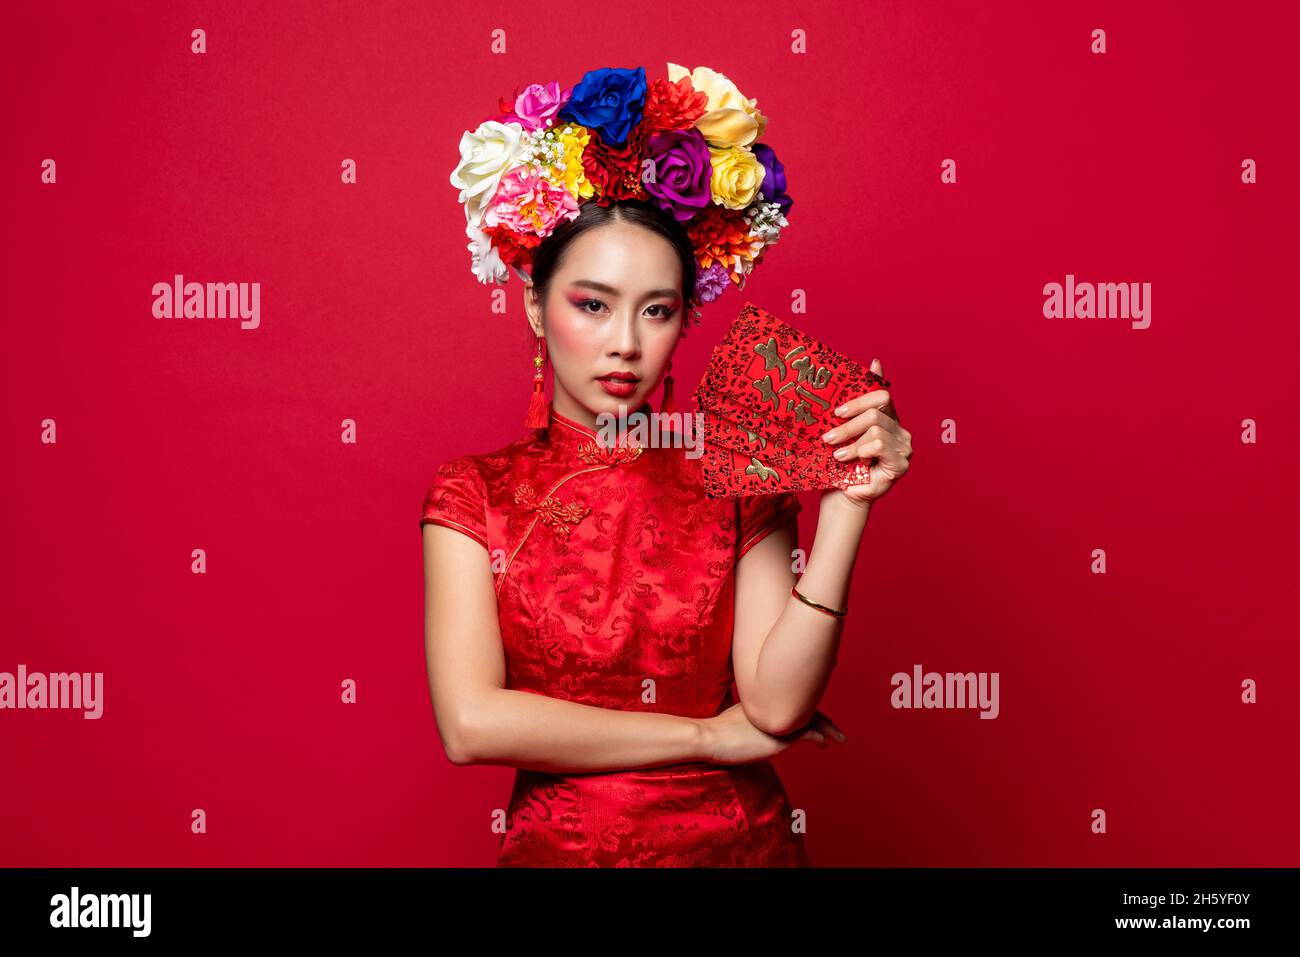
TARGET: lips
(620,384)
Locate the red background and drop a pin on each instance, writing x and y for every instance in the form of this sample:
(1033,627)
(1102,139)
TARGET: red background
(1119,691)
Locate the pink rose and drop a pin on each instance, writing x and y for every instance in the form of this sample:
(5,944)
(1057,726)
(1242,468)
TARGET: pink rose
(538,103)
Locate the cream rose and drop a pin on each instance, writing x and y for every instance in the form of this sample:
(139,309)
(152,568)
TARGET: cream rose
(737,176)
(485,156)
(733,119)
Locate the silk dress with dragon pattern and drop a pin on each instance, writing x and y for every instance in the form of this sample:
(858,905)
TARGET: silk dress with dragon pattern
(618,569)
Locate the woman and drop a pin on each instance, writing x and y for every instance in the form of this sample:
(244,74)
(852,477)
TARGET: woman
(587,606)
(595,652)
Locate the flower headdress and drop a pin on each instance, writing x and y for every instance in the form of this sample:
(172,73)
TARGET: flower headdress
(687,144)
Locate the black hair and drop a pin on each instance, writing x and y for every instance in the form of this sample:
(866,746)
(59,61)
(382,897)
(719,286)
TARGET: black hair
(550,253)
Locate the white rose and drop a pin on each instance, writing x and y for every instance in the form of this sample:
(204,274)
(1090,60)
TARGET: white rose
(485,156)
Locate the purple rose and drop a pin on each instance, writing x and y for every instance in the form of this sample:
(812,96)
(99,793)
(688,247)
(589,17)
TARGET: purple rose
(683,170)
(773,188)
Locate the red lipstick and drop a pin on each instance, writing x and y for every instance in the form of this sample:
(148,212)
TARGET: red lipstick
(621,383)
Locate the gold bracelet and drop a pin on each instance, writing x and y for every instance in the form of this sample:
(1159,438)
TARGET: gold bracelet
(812,604)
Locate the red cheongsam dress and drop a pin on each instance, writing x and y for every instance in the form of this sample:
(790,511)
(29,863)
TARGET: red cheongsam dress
(616,588)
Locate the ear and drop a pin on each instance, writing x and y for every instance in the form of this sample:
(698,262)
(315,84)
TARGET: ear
(533,308)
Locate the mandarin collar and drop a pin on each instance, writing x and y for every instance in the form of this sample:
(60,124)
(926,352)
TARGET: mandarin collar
(581,443)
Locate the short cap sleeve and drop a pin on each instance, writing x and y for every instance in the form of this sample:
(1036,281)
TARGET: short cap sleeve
(458,499)
(760,515)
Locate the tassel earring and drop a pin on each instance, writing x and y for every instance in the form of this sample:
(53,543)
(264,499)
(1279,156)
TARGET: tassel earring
(669,404)
(538,408)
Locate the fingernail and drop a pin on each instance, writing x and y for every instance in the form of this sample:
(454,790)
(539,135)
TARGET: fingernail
(842,453)
(841,410)
(829,436)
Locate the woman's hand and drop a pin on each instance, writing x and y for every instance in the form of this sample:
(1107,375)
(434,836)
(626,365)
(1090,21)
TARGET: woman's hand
(876,437)
(731,739)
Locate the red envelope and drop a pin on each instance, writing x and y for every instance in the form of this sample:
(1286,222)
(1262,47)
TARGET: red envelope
(730,470)
(768,396)
(733,435)
(767,374)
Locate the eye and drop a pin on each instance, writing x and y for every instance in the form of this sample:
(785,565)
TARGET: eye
(666,314)
(584,303)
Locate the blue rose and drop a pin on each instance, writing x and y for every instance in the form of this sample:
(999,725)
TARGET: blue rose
(609,100)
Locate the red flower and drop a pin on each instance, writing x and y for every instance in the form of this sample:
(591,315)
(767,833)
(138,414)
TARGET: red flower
(615,171)
(515,249)
(720,235)
(673,106)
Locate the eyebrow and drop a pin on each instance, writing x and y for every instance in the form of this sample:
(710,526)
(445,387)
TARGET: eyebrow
(611,291)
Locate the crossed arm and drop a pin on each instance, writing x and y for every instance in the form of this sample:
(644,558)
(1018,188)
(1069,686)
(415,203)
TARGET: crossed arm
(481,721)
(783,655)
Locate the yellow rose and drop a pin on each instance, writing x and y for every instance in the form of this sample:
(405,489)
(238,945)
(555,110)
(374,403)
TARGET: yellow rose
(737,176)
(733,119)
(575,139)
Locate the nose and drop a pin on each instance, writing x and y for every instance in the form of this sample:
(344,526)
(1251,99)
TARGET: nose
(625,340)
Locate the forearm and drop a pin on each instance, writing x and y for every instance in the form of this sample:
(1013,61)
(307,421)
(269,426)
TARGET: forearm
(799,654)
(526,730)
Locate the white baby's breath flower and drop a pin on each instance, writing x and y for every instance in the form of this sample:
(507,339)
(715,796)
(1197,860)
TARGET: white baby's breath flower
(542,151)
(765,221)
